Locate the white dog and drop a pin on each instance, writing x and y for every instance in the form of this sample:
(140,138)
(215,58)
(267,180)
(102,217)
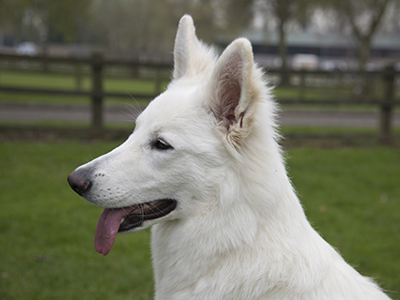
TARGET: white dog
(204,168)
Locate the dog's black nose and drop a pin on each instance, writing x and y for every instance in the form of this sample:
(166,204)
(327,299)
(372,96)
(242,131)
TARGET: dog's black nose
(78,183)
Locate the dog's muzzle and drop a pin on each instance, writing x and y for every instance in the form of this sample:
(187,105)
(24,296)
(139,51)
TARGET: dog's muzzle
(119,219)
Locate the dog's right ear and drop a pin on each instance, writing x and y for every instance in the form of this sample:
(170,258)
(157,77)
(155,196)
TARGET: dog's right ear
(185,45)
(234,91)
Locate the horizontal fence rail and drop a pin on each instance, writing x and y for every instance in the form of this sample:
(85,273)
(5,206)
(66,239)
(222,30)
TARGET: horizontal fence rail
(96,66)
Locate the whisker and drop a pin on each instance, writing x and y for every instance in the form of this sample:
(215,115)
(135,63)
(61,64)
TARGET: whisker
(142,211)
(154,207)
(134,109)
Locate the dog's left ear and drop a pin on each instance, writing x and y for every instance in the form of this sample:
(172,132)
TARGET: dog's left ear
(186,44)
(234,89)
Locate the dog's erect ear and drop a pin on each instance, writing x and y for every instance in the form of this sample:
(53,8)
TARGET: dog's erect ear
(234,90)
(185,45)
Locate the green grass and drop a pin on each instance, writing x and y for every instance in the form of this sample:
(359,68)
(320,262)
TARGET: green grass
(351,197)
(287,130)
(47,231)
(147,86)
(67,81)
(130,86)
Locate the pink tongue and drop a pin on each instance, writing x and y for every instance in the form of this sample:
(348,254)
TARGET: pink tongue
(107,228)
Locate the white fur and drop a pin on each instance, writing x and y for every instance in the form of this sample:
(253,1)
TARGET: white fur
(239,231)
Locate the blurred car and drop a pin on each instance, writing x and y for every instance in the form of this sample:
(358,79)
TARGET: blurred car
(26,48)
(333,65)
(375,66)
(305,62)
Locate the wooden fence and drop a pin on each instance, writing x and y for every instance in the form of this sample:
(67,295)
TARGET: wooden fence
(385,100)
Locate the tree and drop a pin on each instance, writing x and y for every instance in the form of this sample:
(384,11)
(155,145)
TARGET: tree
(44,20)
(146,28)
(282,11)
(364,18)
(11,15)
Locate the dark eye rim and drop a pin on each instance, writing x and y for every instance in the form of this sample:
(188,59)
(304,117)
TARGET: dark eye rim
(160,144)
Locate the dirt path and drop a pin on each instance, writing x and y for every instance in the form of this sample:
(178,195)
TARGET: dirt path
(121,114)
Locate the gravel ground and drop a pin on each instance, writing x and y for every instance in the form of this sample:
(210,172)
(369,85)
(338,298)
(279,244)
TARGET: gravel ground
(121,114)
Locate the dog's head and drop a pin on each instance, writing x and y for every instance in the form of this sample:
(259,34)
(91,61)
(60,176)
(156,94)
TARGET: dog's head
(181,149)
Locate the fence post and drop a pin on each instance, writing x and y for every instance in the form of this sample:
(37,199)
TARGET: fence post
(45,54)
(78,76)
(387,106)
(158,82)
(302,84)
(97,93)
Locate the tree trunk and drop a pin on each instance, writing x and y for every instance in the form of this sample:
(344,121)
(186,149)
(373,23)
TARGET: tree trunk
(283,52)
(364,86)
(364,53)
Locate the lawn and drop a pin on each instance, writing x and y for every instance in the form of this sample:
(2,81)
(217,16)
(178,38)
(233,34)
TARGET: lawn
(130,86)
(351,196)
(326,89)
(67,81)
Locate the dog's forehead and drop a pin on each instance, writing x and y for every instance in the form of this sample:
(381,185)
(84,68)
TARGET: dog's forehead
(174,106)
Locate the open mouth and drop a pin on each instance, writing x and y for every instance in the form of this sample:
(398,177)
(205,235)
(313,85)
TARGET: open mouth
(146,211)
(114,220)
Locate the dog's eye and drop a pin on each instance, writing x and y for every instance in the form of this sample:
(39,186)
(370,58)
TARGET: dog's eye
(161,145)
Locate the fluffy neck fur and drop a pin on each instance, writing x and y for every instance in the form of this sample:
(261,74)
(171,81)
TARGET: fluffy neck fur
(253,214)
(257,235)
(253,231)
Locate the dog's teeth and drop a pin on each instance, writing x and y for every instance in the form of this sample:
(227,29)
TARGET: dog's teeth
(137,210)
(146,207)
